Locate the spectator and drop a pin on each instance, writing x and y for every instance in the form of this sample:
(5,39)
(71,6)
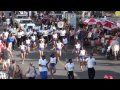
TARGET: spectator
(18,72)
(6,57)
(12,69)
(31,72)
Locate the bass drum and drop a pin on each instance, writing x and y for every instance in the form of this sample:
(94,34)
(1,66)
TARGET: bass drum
(60,24)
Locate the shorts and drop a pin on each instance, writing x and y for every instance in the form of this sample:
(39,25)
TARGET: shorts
(33,41)
(10,44)
(40,49)
(65,44)
(23,51)
(58,49)
(43,75)
(82,57)
(77,50)
(27,45)
(52,65)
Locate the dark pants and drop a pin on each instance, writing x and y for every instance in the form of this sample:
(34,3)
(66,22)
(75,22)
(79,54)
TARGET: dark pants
(13,45)
(91,73)
(61,38)
(46,39)
(49,37)
(31,78)
(23,38)
(70,75)
(19,40)
(72,40)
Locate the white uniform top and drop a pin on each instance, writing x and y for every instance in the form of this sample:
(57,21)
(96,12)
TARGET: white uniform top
(77,46)
(115,48)
(33,38)
(82,52)
(53,60)
(89,34)
(28,41)
(62,32)
(42,62)
(90,62)
(45,33)
(27,33)
(70,66)
(65,41)
(8,21)
(41,45)
(6,34)
(55,35)
(42,39)
(22,47)
(102,40)
(19,34)
(59,45)
(22,33)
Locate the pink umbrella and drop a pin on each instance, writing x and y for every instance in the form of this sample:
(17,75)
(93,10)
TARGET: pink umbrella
(114,27)
(90,21)
(108,25)
(99,22)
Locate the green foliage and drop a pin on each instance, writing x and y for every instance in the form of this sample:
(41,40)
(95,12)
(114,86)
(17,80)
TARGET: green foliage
(81,25)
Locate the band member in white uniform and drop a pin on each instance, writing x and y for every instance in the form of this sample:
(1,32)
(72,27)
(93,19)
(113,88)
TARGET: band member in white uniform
(59,46)
(52,64)
(42,39)
(19,36)
(27,42)
(23,52)
(33,39)
(45,35)
(54,39)
(65,42)
(77,50)
(42,46)
(82,57)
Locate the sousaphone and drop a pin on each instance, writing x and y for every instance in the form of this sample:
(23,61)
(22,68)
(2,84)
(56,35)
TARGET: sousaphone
(60,24)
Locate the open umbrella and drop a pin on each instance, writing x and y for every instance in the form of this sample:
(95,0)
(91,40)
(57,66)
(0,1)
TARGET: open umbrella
(99,22)
(108,25)
(114,27)
(90,21)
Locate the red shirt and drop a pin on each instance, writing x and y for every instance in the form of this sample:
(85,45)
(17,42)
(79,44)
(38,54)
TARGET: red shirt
(109,41)
(1,45)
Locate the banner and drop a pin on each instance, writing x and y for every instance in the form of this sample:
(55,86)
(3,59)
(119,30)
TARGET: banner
(117,13)
(72,19)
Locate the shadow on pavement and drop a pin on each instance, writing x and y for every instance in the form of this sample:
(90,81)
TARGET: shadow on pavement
(99,74)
